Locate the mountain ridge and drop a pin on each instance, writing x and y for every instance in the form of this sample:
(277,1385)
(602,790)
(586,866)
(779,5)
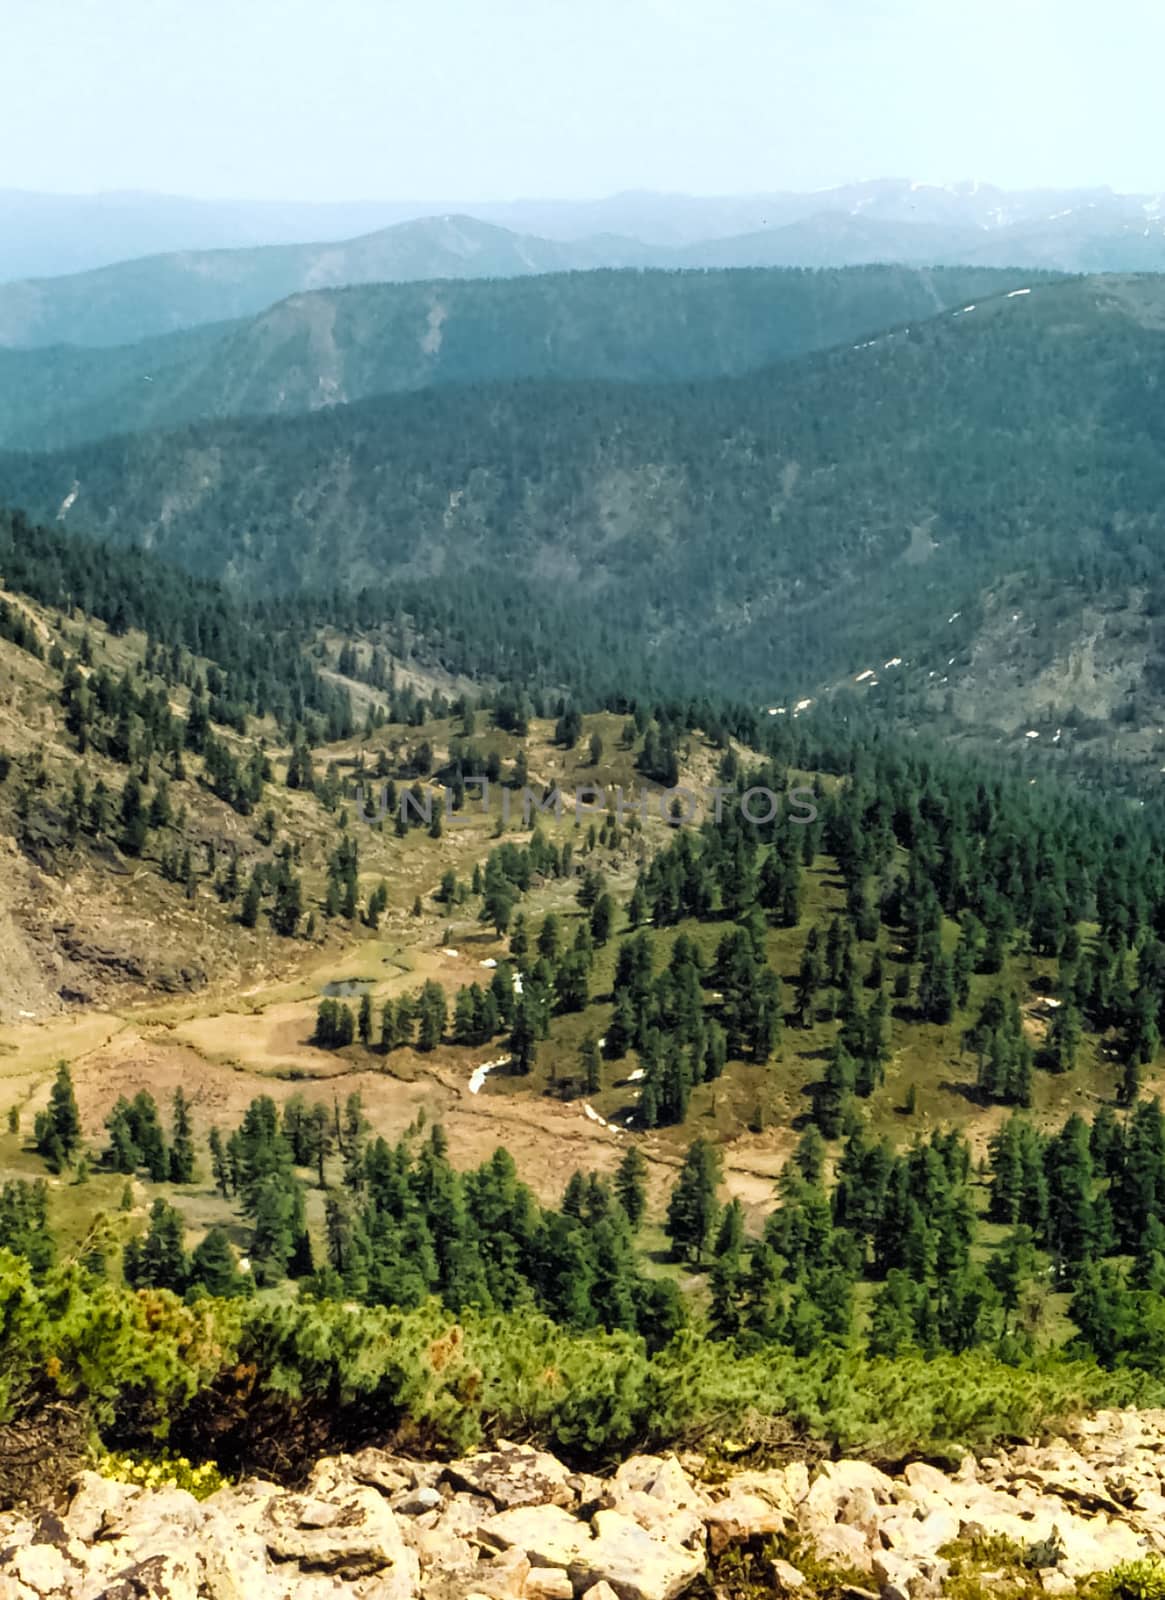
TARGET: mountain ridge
(758,534)
(328,346)
(881,222)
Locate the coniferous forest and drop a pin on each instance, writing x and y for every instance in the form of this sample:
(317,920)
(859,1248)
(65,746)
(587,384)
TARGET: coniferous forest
(352,1083)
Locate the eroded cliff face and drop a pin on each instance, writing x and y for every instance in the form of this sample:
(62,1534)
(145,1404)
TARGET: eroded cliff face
(514,1522)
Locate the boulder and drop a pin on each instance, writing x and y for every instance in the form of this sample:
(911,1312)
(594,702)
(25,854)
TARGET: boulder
(741,1516)
(860,1475)
(637,1564)
(158,1520)
(379,1470)
(364,1538)
(514,1475)
(172,1575)
(842,1546)
(786,1577)
(860,1510)
(503,1578)
(1055,1582)
(95,1499)
(549,1583)
(43,1568)
(921,1475)
(771,1487)
(796,1480)
(549,1535)
(895,1576)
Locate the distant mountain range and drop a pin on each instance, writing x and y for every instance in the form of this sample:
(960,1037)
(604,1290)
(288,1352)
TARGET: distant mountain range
(337,345)
(161,294)
(890,221)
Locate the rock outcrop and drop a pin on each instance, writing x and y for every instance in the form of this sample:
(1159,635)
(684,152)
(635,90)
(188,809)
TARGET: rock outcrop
(514,1523)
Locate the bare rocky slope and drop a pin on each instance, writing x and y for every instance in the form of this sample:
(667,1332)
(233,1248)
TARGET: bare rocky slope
(515,1522)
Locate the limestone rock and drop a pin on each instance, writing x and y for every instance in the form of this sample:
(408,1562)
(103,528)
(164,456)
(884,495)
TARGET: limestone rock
(172,1575)
(43,1568)
(415,1502)
(637,1564)
(549,1583)
(362,1539)
(94,1500)
(740,1516)
(787,1577)
(549,1535)
(514,1475)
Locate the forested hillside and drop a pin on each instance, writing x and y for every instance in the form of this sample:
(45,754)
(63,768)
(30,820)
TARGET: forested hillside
(753,534)
(786,1110)
(324,348)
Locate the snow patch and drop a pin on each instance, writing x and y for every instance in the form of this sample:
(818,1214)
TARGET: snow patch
(480,1074)
(862,676)
(895,661)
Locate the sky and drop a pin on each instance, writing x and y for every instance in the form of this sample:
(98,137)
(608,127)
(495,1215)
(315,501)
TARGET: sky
(499,99)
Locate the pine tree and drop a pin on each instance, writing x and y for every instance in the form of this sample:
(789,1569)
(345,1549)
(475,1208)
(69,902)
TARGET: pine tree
(213,1267)
(691,1211)
(833,1094)
(591,1065)
(523,1038)
(727,1281)
(158,1261)
(182,1166)
(219,1165)
(252,901)
(64,1124)
(631,1186)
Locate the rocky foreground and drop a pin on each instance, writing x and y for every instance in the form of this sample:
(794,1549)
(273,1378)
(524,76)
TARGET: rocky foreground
(513,1523)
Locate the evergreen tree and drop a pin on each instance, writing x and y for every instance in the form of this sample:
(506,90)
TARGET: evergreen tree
(182,1165)
(631,1186)
(691,1211)
(213,1267)
(58,1130)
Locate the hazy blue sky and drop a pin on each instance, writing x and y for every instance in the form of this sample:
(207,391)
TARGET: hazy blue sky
(484,99)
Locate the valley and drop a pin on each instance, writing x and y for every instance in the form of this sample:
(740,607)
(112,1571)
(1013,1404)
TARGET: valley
(386,1058)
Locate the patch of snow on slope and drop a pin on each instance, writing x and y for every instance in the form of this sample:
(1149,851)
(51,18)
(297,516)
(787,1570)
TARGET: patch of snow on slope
(480,1074)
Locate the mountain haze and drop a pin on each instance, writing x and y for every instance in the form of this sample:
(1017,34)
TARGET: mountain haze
(45,235)
(331,346)
(920,225)
(160,294)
